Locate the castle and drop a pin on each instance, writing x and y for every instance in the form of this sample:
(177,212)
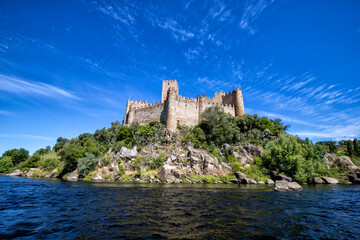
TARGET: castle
(174,110)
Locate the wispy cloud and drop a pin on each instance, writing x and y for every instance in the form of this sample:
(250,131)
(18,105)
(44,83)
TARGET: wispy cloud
(27,136)
(20,86)
(6,113)
(178,32)
(252,11)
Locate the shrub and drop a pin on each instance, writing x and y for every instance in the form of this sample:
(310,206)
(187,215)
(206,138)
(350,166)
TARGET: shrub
(158,161)
(31,162)
(87,164)
(49,160)
(121,170)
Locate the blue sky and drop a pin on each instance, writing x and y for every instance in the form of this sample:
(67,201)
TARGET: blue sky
(68,67)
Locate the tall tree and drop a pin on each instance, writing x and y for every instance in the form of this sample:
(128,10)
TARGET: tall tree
(356,147)
(349,148)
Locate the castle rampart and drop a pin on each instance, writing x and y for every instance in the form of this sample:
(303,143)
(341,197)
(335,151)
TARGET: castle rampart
(176,110)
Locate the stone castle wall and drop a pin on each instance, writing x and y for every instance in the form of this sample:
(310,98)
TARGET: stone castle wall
(174,110)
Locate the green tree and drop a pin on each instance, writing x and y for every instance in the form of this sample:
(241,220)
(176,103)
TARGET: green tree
(31,162)
(5,164)
(349,148)
(219,127)
(356,147)
(124,134)
(70,154)
(60,143)
(283,155)
(17,155)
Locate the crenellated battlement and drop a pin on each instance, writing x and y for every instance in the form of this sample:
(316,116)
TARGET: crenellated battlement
(174,109)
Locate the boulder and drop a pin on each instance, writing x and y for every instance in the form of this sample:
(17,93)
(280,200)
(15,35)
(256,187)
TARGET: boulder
(347,163)
(243,156)
(167,173)
(240,176)
(96,177)
(52,174)
(269,182)
(16,173)
(329,180)
(227,146)
(233,180)
(330,158)
(73,176)
(275,176)
(354,176)
(253,150)
(261,182)
(31,172)
(246,181)
(318,180)
(282,185)
(128,154)
(226,166)
(252,181)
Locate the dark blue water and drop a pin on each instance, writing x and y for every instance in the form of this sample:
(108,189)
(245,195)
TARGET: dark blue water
(43,209)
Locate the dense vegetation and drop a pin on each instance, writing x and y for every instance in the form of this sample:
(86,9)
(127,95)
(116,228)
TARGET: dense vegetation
(284,153)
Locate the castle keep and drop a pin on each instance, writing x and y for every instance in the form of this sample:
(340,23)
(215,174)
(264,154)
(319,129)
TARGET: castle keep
(174,109)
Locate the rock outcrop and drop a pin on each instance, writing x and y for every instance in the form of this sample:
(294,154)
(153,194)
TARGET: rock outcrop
(283,185)
(73,176)
(275,176)
(329,180)
(16,173)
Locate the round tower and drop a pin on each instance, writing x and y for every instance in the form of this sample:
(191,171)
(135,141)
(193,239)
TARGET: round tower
(239,106)
(170,121)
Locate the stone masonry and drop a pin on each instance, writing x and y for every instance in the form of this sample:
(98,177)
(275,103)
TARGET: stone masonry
(174,110)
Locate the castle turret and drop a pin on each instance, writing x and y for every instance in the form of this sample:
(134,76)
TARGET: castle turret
(170,119)
(239,103)
(167,84)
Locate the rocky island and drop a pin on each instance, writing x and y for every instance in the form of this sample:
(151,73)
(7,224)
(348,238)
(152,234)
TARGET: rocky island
(247,149)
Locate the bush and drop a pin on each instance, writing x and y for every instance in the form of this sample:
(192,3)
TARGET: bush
(49,161)
(6,164)
(31,162)
(87,164)
(158,162)
(121,170)
(219,127)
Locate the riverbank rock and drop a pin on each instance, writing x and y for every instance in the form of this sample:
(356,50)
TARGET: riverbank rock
(283,185)
(329,180)
(53,173)
(270,182)
(96,177)
(318,180)
(331,159)
(275,176)
(16,173)
(73,176)
(128,154)
(31,172)
(240,176)
(354,176)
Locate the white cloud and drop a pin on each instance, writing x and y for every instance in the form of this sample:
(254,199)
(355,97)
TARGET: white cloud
(6,113)
(25,87)
(174,28)
(252,11)
(27,136)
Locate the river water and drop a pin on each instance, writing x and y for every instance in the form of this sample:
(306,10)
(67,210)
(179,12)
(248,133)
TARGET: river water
(45,209)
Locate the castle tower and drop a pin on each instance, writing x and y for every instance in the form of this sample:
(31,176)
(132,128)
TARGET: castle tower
(170,119)
(239,103)
(167,84)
